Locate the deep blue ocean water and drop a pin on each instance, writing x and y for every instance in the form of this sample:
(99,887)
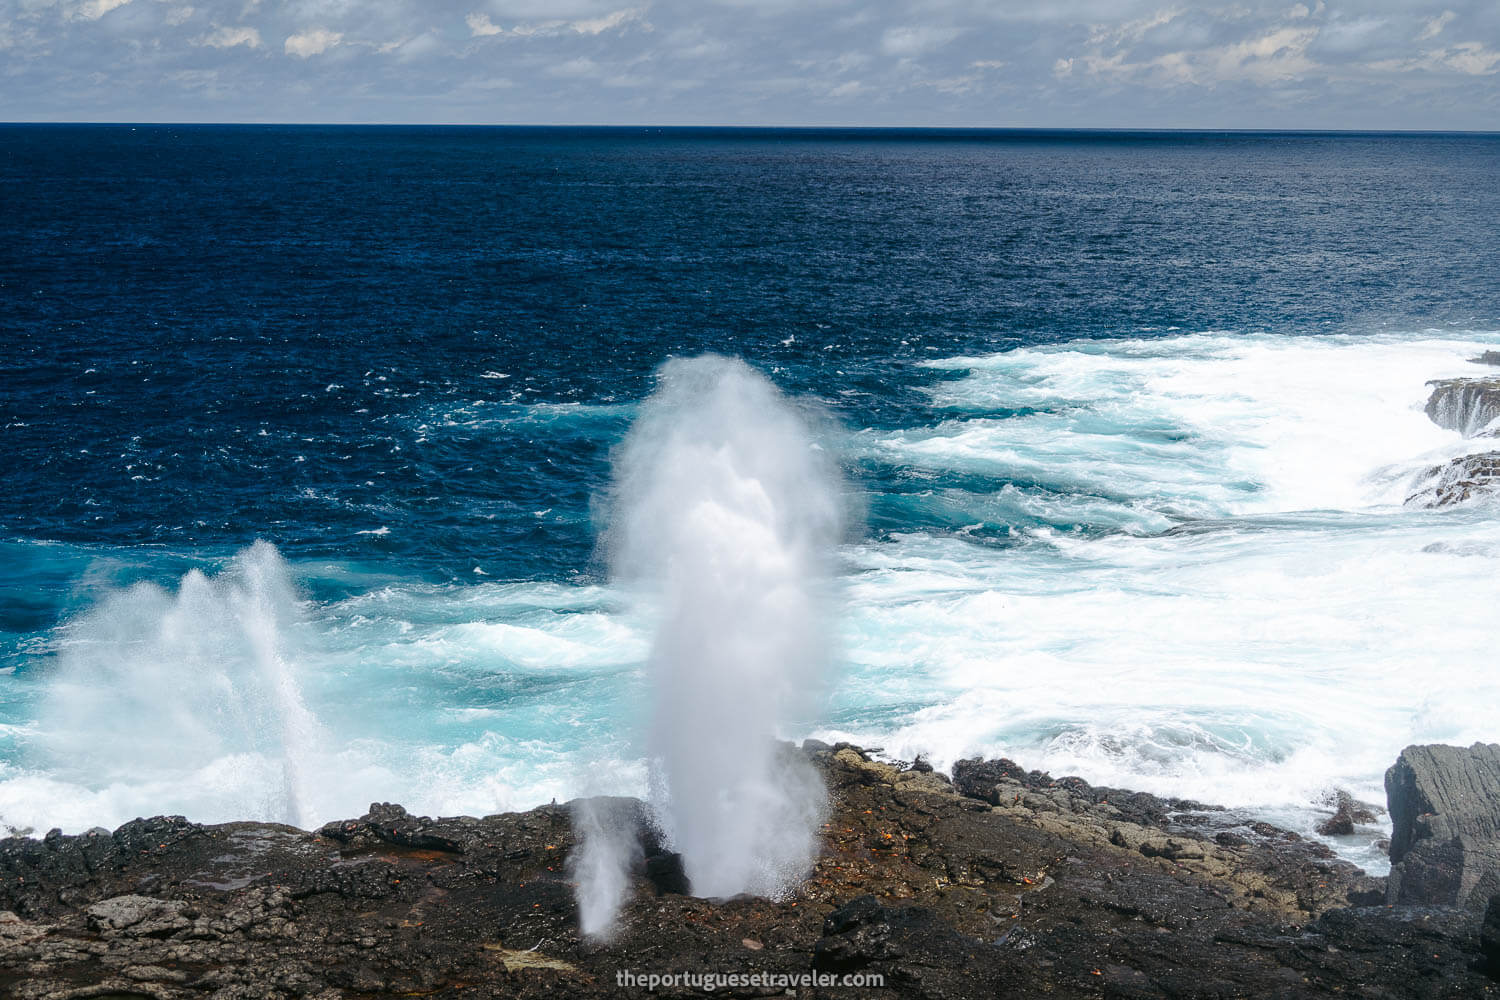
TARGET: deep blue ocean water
(1130,417)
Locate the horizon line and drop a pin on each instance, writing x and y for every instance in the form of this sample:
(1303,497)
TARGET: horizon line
(1238,130)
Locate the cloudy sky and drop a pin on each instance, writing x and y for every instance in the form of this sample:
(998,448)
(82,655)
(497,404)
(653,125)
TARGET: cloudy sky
(1067,63)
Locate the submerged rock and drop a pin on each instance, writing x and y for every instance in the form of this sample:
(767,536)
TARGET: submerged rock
(1467,405)
(1347,813)
(1487,358)
(1465,478)
(1445,818)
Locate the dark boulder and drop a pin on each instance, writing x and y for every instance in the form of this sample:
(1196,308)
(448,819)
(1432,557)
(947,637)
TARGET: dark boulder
(854,935)
(978,779)
(1445,818)
(1348,812)
(1462,479)
(1487,358)
(391,824)
(1467,405)
(911,945)
(665,872)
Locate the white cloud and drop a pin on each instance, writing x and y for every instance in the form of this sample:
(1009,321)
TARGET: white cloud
(1473,58)
(1435,27)
(1275,56)
(228,38)
(1131,31)
(599,25)
(1388,63)
(311,43)
(480,25)
(1469,58)
(908,42)
(92,10)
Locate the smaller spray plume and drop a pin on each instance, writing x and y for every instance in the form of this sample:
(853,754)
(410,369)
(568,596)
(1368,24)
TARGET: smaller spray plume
(152,682)
(608,852)
(725,514)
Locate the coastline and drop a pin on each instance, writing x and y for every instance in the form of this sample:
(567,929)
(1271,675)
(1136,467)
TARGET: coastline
(994,879)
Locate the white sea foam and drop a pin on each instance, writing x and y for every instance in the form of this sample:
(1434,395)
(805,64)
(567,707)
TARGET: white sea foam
(1237,424)
(1295,628)
(1295,632)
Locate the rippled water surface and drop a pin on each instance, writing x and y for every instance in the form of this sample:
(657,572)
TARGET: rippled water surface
(1128,420)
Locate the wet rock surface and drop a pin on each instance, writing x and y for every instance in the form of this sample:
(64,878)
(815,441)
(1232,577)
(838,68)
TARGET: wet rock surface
(1467,405)
(1002,882)
(1445,825)
(1468,477)
(1348,813)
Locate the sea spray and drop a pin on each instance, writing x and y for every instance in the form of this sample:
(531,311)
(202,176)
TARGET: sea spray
(609,851)
(154,682)
(723,515)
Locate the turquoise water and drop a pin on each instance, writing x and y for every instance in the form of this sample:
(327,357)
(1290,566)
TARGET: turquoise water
(1126,421)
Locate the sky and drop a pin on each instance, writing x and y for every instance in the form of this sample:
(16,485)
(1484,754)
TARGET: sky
(1064,63)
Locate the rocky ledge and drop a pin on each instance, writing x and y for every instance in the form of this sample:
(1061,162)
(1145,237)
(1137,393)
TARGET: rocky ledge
(1467,405)
(995,882)
(1468,477)
(1470,406)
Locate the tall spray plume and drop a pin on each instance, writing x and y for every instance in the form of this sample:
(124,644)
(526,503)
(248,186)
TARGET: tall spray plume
(724,517)
(197,687)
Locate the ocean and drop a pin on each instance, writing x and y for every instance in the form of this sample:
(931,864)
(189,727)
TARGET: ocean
(308,434)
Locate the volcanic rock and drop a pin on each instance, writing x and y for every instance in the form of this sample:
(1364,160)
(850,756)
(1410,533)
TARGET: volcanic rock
(1445,817)
(1346,814)
(1464,478)
(1489,937)
(1467,405)
(1012,883)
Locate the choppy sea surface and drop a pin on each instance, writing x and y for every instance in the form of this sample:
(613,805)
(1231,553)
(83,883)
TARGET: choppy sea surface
(307,432)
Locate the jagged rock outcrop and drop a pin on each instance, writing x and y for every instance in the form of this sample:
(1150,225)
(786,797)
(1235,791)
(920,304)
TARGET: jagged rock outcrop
(1487,358)
(1467,405)
(1004,882)
(1445,819)
(1465,478)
